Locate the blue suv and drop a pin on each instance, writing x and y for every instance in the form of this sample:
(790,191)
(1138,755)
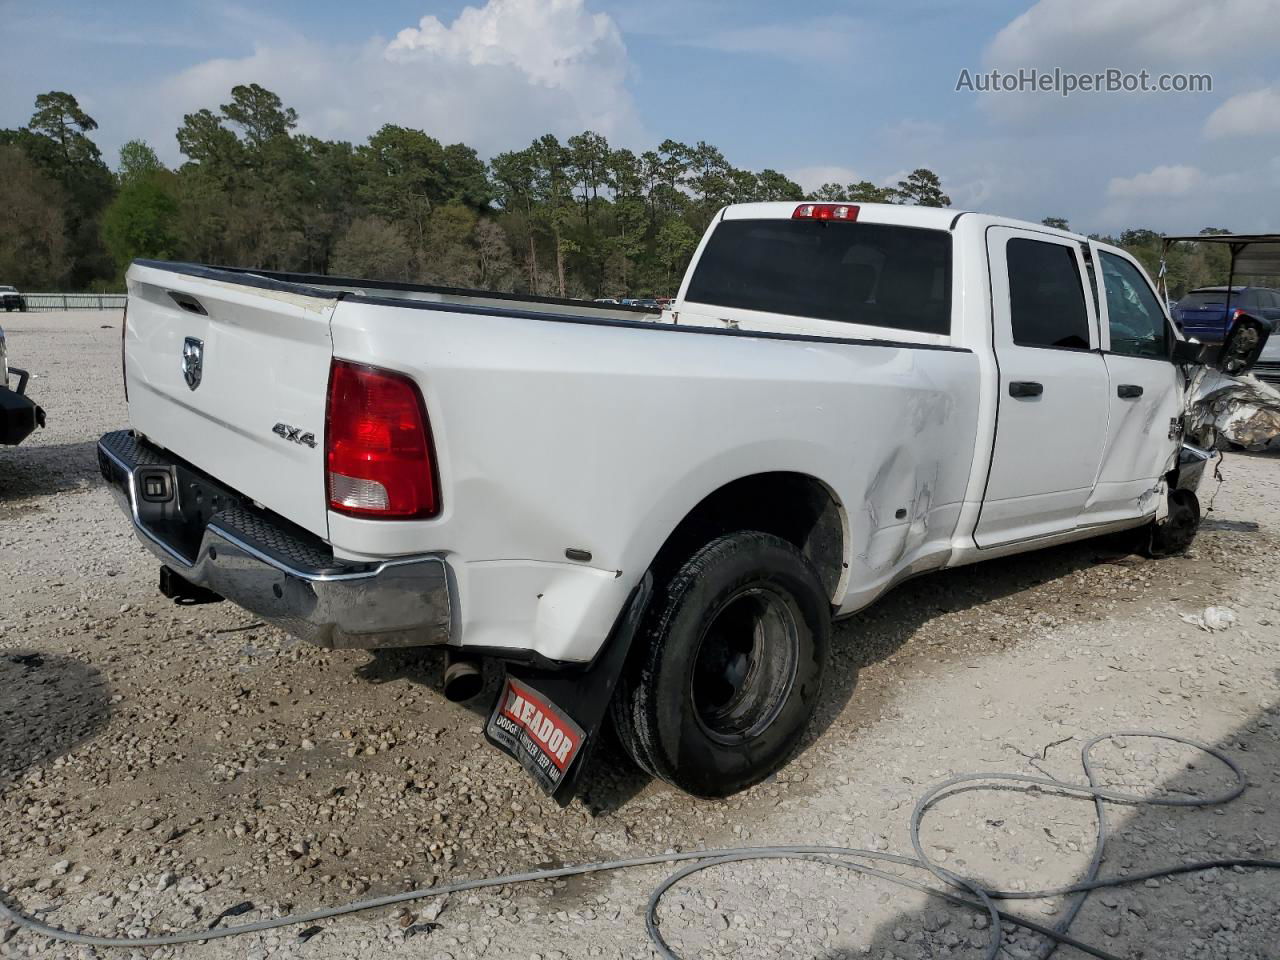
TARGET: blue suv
(1202,313)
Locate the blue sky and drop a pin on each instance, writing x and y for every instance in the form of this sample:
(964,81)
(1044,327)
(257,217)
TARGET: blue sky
(818,89)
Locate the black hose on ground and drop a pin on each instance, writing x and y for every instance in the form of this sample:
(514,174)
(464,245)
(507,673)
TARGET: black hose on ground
(971,894)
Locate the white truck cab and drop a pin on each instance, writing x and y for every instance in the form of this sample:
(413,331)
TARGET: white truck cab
(653,514)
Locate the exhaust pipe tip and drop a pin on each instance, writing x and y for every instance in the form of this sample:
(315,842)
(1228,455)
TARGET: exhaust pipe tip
(463,678)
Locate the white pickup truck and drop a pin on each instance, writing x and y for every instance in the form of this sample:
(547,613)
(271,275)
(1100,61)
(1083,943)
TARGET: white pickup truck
(653,515)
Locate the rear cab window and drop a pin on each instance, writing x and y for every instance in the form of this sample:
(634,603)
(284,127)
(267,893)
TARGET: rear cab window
(1046,295)
(881,275)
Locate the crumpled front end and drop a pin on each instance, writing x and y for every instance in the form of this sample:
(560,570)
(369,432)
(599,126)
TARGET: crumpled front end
(1242,410)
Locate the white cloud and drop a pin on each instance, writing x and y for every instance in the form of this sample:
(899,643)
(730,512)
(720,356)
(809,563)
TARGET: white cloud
(496,77)
(1091,34)
(555,44)
(1186,198)
(1246,114)
(1217,38)
(1162,181)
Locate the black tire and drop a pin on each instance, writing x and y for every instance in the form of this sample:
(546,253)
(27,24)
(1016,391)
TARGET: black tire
(727,666)
(1174,534)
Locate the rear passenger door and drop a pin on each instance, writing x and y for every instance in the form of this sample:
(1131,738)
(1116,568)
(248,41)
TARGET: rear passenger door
(1144,390)
(1052,410)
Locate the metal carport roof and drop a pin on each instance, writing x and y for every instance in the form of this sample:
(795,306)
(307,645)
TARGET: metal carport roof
(1252,254)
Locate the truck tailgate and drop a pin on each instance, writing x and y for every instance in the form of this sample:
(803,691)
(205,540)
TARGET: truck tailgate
(213,367)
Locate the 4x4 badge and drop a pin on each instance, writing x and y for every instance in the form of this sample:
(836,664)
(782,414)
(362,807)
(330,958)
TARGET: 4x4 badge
(294,434)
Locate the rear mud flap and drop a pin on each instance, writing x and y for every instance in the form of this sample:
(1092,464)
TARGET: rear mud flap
(549,719)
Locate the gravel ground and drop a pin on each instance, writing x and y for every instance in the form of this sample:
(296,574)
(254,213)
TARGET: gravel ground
(159,765)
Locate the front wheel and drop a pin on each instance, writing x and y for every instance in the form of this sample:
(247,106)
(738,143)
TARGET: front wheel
(727,667)
(1173,534)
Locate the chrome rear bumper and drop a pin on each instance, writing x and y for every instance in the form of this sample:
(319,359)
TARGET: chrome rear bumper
(211,538)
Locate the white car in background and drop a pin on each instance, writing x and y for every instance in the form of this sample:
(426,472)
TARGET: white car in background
(1267,369)
(11,299)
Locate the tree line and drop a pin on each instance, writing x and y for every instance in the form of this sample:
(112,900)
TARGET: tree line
(577,218)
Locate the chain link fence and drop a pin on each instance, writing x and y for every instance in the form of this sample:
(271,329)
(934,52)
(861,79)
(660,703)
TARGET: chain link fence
(74,301)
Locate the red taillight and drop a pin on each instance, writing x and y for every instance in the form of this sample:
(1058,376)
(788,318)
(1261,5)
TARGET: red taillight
(124,373)
(826,211)
(379,460)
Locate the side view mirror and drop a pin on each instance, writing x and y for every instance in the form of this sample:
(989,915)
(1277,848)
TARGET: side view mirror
(1238,352)
(1243,345)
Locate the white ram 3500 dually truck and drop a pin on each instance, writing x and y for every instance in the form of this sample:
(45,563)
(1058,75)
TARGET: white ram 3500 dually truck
(651,515)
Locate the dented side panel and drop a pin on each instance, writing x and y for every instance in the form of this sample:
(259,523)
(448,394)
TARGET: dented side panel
(551,436)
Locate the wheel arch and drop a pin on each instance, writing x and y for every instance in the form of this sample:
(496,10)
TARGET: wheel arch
(795,506)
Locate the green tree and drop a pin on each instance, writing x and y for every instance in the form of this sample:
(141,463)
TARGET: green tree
(497,268)
(1138,237)
(514,176)
(141,222)
(554,193)
(923,188)
(450,256)
(259,113)
(373,248)
(205,141)
(588,157)
(864,191)
(403,177)
(709,176)
(57,141)
(59,119)
(466,179)
(675,244)
(138,162)
(772,185)
(1058,223)
(34,252)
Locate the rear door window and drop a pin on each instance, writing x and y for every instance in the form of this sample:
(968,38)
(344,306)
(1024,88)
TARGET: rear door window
(1046,295)
(869,273)
(1137,324)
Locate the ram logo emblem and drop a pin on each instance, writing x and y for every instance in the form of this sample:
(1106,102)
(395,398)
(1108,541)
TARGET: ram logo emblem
(294,435)
(192,361)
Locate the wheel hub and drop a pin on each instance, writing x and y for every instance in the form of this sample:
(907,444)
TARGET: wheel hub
(745,664)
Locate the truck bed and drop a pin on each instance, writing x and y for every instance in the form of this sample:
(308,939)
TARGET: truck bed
(307,283)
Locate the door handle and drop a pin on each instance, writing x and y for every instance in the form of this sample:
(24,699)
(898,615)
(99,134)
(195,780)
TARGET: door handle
(1025,388)
(1127,391)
